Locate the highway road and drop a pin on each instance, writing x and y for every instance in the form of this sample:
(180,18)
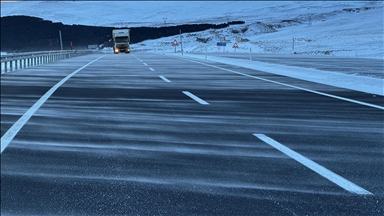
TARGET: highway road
(152,134)
(360,66)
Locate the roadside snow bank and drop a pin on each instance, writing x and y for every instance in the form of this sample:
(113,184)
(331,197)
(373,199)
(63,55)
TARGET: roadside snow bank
(349,81)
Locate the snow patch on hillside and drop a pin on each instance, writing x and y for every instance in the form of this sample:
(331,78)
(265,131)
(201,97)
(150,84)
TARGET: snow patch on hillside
(345,33)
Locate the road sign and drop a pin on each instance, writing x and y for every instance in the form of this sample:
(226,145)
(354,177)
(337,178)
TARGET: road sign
(221,44)
(235,45)
(174,43)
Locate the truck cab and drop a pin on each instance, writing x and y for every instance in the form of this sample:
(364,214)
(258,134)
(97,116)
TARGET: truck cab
(121,39)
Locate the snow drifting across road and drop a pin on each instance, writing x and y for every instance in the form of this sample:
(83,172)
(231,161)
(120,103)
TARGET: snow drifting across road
(349,81)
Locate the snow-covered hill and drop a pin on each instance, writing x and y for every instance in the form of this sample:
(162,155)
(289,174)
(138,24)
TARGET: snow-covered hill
(344,28)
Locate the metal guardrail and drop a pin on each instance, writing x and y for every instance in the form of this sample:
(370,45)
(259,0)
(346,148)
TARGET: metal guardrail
(15,61)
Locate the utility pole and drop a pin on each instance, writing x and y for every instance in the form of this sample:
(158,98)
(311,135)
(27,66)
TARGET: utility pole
(61,41)
(293,43)
(181,43)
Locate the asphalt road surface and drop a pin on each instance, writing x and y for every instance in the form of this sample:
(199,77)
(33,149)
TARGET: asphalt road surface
(150,134)
(359,66)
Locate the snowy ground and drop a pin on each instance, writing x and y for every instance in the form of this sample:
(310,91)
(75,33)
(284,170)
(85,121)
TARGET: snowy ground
(344,33)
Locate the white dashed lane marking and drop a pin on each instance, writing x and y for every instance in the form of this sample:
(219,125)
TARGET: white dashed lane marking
(326,173)
(165,79)
(200,101)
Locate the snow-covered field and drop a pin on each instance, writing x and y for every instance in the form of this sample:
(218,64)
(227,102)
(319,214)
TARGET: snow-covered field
(340,31)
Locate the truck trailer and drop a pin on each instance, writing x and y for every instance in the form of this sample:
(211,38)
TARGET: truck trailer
(121,40)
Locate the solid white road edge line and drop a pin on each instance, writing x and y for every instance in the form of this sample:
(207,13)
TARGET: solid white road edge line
(151,69)
(165,79)
(292,86)
(11,133)
(200,101)
(331,176)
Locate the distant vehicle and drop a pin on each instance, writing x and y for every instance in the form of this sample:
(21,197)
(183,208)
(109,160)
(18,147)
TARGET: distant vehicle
(121,40)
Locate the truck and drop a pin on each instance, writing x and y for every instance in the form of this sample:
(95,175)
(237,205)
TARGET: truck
(121,38)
